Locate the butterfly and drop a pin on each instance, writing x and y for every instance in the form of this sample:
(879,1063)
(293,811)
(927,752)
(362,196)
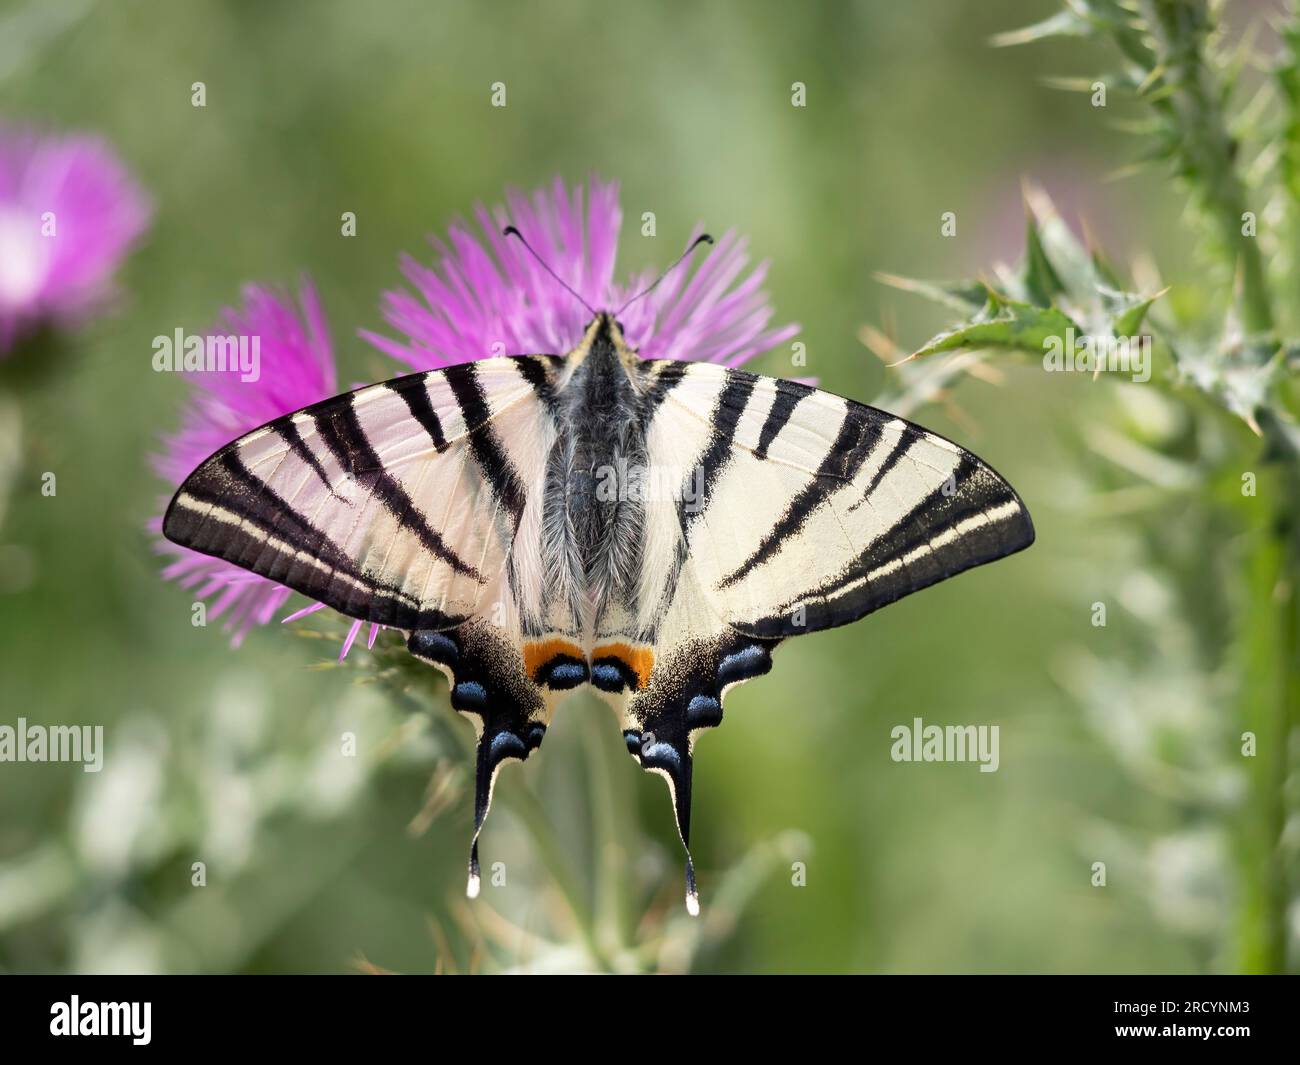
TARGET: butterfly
(650,529)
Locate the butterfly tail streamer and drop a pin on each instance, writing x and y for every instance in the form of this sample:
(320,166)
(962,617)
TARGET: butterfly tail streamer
(673,761)
(506,711)
(692,894)
(482,802)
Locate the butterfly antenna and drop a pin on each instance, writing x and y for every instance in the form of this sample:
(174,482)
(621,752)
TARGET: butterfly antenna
(511,231)
(703,238)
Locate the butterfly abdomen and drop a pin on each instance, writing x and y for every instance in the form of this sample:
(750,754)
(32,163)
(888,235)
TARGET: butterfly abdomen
(593,520)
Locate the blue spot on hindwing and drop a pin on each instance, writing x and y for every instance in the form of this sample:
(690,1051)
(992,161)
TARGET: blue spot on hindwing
(750,661)
(434,646)
(704,711)
(607,678)
(564,675)
(506,745)
(469,695)
(657,754)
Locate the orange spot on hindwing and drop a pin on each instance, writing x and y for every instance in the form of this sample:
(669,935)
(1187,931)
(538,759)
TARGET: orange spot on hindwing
(555,662)
(616,666)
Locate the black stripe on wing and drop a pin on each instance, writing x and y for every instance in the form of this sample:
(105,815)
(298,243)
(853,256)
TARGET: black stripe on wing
(727,412)
(224,509)
(343,434)
(855,441)
(288,428)
(484,445)
(660,378)
(788,395)
(972,518)
(416,395)
(541,372)
(227,483)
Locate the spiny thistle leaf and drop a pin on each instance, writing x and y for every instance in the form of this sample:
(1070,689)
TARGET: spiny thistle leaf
(1042,284)
(1071,22)
(1128,311)
(1005,323)
(965,297)
(1060,289)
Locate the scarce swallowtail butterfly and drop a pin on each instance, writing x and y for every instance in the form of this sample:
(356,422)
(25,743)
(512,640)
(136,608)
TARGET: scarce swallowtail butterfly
(651,528)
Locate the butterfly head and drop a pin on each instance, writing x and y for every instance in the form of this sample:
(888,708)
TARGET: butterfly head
(604,342)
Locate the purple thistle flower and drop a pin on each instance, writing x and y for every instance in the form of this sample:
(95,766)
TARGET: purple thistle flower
(485,296)
(297,369)
(69,212)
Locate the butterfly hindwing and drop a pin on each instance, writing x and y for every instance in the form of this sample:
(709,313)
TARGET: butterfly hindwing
(670,689)
(490,685)
(795,510)
(407,504)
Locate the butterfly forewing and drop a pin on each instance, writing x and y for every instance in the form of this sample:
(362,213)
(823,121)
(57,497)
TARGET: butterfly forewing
(394,504)
(819,510)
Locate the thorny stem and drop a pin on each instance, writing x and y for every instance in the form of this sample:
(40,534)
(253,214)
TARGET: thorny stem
(1270,701)
(610,803)
(1208,149)
(1169,40)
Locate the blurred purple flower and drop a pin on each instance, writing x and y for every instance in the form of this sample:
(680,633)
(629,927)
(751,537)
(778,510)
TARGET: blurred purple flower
(69,212)
(477,302)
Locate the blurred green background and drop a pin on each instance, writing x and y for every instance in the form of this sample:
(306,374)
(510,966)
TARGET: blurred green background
(231,757)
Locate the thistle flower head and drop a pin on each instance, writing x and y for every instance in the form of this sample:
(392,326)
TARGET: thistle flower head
(484,296)
(297,369)
(69,212)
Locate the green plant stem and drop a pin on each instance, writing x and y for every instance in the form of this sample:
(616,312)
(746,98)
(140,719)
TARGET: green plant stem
(1288,79)
(1289,728)
(611,803)
(525,806)
(1270,710)
(1190,99)
(1207,150)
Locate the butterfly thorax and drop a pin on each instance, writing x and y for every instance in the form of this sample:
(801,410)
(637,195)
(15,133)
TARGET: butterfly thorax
(593,519)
